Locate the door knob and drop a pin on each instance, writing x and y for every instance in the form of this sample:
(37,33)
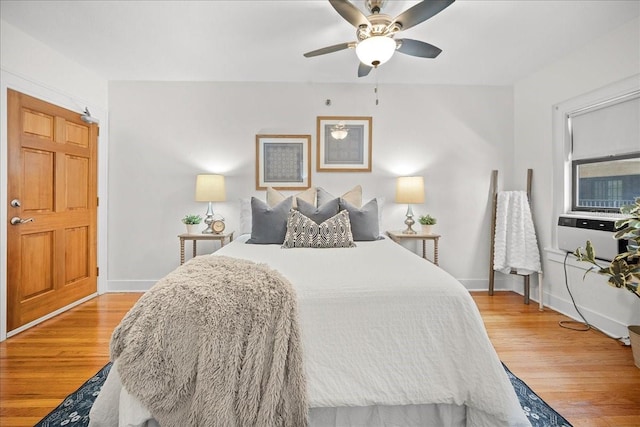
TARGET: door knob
(17,220)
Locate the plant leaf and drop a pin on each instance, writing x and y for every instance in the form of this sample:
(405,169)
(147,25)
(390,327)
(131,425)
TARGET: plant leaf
(591,253)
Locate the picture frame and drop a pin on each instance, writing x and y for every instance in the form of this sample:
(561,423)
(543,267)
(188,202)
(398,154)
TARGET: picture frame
(350,154)
(283,162)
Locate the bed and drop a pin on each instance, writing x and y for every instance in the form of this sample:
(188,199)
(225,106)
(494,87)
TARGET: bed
(388,338)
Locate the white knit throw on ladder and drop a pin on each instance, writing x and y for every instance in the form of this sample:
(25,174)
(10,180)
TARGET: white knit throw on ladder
(515,244)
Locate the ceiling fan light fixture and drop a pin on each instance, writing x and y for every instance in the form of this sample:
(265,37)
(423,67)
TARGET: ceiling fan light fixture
(375,50)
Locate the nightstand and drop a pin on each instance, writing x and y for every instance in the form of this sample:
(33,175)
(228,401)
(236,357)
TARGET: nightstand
(222,237)
(398,236)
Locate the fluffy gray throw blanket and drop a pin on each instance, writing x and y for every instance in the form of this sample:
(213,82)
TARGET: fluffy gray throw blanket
(215,343)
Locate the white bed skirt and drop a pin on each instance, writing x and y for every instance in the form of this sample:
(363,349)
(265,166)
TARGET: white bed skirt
(382,416)
(114,407)
(371,416)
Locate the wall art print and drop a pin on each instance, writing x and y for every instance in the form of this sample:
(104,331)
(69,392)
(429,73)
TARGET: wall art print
(340,152)
(283,162)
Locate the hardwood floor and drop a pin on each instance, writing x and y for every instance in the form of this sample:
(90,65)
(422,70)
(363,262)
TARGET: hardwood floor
(42,365)
(588,378)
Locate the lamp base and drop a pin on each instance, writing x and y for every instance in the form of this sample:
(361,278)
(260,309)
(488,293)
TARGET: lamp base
(409,222)
(409,230)
(208,220)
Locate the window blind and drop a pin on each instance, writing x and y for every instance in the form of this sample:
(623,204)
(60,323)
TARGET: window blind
(608,129)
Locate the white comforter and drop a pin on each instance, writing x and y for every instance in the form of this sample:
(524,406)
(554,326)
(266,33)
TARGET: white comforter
(382,326)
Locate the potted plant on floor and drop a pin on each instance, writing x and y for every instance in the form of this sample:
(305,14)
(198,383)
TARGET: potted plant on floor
(624,269)
(191,221)
(427,222)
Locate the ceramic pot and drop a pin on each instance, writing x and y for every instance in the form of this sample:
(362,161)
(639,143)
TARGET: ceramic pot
(192,228)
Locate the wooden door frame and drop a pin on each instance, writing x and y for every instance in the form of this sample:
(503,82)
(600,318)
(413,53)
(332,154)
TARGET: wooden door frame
(12,81)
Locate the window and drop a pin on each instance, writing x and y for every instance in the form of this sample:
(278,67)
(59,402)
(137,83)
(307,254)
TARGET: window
(605,184)
(605,154)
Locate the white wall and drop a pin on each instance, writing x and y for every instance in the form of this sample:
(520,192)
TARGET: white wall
(33,68)
(599,63)
(163,134)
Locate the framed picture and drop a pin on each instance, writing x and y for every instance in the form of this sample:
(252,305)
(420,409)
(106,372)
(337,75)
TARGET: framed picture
(283,162)
(344,144)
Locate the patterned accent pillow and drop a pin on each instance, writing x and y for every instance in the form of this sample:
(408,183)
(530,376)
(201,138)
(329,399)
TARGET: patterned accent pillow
(303,232)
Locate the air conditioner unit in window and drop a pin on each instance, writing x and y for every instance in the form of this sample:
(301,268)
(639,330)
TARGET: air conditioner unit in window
(575,230)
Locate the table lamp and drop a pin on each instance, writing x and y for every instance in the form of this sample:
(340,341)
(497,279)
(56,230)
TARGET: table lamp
(409,189)
(210,188)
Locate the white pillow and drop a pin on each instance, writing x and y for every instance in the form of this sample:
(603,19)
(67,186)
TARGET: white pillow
(381,202)
(245,216)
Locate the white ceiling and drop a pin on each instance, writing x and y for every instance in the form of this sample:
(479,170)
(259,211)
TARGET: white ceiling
(483,42)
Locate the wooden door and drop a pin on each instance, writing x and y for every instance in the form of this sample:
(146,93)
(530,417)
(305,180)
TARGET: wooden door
(52,190)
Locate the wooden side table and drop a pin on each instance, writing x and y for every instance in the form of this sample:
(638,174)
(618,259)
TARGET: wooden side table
(222,237)
(398,236)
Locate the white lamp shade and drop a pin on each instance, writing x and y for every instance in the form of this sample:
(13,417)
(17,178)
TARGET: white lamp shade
(375,50)
(410,189)
(210,188)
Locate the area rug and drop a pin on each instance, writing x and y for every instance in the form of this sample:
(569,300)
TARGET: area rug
(74,410)
(539,413)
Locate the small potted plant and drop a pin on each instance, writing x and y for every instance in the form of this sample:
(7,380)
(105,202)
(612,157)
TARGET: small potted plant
(624,269)
(427,221)
(191,221)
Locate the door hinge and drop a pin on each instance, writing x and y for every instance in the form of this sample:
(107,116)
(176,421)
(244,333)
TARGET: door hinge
(97,201)
(97,271)
(98,131)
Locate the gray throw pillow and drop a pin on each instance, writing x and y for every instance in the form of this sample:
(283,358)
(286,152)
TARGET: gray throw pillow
(364,220)
(319,214)
(269,224)
(303,232)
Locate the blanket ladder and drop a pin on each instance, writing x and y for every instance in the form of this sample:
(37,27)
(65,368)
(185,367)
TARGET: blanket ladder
(527,278)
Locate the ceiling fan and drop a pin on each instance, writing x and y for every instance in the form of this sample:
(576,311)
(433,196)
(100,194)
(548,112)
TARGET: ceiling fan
(375,33)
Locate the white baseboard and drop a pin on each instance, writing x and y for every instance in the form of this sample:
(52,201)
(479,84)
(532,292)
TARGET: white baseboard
(129,285)
(608,326)
(499,284)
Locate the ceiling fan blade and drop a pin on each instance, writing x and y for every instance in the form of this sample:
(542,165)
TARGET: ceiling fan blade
(417,48)
(421,12)
(349,12)
(330,49)
(363,70)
